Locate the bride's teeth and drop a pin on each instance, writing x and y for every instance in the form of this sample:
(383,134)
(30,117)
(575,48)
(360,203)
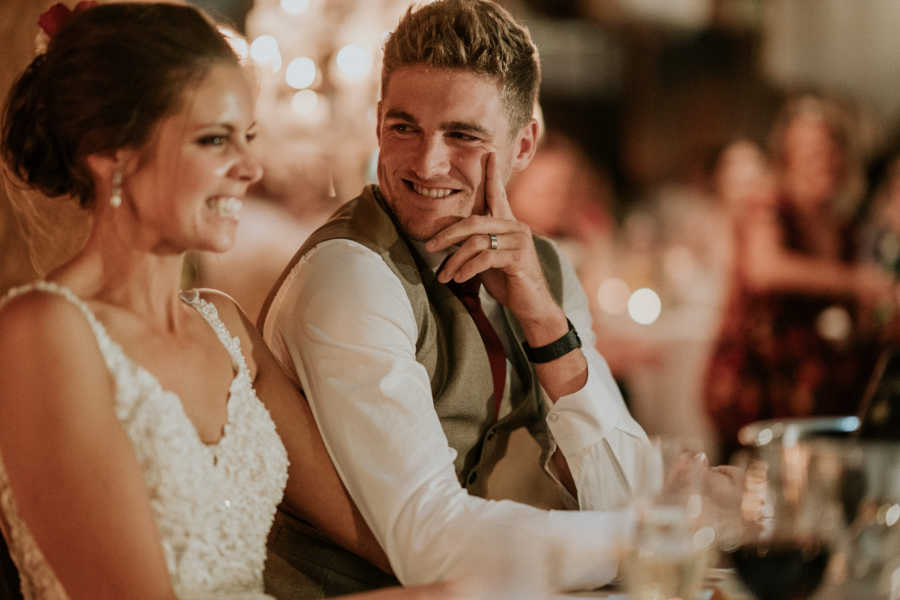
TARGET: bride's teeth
(432,192)
(226,206)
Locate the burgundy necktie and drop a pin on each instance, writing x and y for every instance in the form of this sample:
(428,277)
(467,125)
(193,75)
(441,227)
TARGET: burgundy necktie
(467,292)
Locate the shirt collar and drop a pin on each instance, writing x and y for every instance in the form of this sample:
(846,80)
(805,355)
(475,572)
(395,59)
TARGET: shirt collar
(433,259)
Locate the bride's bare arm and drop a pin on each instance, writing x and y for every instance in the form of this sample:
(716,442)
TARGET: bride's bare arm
(314,489)
(73,474)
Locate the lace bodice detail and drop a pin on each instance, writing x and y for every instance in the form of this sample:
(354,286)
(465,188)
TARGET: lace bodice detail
(213,504)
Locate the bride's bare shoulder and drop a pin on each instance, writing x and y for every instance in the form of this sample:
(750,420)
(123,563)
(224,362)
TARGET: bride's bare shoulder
(47,348)
(36,314)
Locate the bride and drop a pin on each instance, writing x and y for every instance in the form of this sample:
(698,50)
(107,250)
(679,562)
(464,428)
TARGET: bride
(136,459)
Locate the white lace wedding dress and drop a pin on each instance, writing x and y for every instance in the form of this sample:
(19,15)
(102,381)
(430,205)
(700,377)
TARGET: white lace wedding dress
(213,504)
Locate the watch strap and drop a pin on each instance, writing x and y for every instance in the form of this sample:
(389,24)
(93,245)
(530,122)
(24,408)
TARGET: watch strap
(543,354)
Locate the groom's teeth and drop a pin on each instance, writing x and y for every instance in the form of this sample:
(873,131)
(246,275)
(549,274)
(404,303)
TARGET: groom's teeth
(225,206)
(432,192)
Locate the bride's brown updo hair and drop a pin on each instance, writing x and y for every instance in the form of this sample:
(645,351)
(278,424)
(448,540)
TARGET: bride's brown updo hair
(107,78)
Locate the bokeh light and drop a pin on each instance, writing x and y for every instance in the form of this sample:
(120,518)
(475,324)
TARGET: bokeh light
(644,306)
(264,51)
(892,515)
(300,73)
(295,7)
(353,62)
(311,108)
(834,324)
(612,296)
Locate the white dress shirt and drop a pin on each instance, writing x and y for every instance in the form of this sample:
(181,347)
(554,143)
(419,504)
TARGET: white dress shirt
(344,326)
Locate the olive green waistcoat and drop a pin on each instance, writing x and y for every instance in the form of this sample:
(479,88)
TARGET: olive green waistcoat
(449,345)
(302,563)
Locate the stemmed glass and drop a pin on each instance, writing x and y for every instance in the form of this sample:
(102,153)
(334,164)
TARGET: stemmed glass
(869,558)
(672,541)
(790,519)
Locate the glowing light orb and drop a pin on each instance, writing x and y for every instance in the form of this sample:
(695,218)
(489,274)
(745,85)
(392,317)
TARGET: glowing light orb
(834,324)
(300,73)
(612,296)
(310,107)
(305,102)
(644,306)
(264,51)
(892,515)
(295,7)
(353,62)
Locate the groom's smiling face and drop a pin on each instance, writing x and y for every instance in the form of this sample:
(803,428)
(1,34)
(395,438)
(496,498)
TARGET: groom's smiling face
(435,129)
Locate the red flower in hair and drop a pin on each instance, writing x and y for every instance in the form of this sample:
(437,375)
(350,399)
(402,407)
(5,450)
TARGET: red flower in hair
(54,18)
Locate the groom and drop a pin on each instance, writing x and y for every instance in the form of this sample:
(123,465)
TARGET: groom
(447,353)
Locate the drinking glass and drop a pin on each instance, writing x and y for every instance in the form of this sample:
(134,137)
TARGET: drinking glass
(672,540)
(789,521)
(868,560)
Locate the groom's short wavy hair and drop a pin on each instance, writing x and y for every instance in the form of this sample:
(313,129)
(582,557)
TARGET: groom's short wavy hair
(472,35)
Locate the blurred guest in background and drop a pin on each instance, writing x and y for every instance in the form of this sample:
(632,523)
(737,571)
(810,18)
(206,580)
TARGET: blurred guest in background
(565,196)
(880,238)
(562,194)
(793,340)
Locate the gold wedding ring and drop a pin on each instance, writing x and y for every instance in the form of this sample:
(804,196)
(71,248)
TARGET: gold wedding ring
(495,243)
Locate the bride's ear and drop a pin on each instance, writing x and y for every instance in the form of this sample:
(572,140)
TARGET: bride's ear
(104,164)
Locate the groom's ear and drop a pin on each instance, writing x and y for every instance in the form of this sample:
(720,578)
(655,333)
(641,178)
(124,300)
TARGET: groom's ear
(526,143)
(378,123)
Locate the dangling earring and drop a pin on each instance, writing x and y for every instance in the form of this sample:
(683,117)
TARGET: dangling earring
(115,200)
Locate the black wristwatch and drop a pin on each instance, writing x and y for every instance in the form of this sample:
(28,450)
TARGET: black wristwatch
(542,354)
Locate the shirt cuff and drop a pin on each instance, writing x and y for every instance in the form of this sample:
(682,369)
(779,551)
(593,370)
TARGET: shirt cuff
(598,438)
(585,418)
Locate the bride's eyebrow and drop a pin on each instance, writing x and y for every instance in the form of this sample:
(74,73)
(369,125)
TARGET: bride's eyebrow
(227,125)
(223,124)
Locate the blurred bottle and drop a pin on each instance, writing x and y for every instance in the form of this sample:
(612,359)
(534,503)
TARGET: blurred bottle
(879,412)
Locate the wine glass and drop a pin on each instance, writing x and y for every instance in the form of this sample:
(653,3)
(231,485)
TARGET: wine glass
(869,488)
(790,519)
(669,550)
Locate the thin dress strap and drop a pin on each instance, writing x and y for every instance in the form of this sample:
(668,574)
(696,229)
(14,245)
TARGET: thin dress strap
(112,353)
(209,313)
